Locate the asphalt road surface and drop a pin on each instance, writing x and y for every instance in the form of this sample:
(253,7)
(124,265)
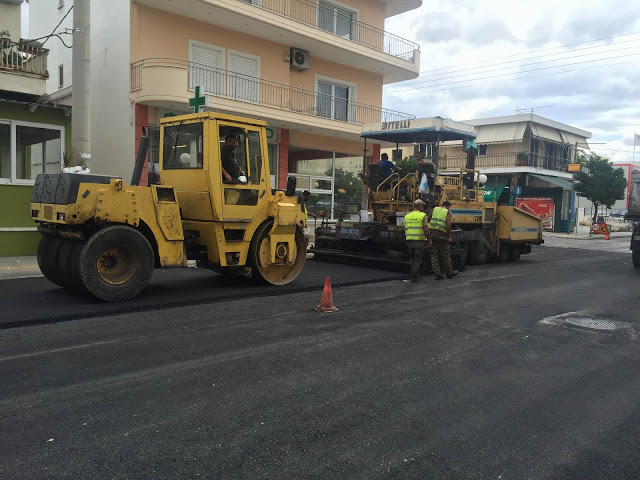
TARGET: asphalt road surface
(483,376)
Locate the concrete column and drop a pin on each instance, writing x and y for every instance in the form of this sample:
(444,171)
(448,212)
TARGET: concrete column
(283,161)
(81,80)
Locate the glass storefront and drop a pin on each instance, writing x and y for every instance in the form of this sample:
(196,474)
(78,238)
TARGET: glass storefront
(331,177)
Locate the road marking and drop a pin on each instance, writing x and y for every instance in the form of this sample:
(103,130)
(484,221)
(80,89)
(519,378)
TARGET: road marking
(56,350)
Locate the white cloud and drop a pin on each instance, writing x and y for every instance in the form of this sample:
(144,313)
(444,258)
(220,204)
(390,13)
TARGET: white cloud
(483,59)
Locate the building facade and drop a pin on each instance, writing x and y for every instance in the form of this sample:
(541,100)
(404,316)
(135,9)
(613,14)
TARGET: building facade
(34,131)
(313,69)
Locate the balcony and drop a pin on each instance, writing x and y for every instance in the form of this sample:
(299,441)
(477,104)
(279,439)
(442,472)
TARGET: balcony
(162,80)
(328,34)
(528,160)
(23,66)
(340,24)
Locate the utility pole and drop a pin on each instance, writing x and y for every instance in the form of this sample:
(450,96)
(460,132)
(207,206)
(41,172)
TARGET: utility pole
(81,78)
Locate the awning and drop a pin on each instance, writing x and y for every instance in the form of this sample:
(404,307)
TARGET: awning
(500,133)
(560,182)
(572,139)
(419,130)
(495,182)
(546,133)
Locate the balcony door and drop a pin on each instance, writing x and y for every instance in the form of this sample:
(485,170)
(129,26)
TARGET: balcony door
(334,19)
(334,100)
(244,77)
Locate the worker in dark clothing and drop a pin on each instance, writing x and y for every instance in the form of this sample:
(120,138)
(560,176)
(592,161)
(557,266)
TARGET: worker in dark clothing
(387,165)
(230,169)
(439,238)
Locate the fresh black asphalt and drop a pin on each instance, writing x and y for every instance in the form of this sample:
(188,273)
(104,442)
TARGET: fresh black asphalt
(471,378)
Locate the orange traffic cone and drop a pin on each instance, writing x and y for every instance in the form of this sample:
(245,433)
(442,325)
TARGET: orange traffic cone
(606,232)
(326,303)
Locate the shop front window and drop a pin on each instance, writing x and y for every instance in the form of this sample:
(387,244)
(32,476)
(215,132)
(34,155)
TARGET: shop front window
(347,184)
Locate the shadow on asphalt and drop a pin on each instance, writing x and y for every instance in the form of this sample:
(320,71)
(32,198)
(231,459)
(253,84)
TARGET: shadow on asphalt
(33,301)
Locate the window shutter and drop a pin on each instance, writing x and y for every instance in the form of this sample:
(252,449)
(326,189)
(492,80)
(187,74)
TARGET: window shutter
(244,83)
(205,70)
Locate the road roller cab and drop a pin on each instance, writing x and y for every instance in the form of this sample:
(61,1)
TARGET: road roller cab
(214,205)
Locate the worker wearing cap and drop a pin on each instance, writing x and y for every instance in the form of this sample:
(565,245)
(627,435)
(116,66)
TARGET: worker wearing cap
(439,238)
(415,231)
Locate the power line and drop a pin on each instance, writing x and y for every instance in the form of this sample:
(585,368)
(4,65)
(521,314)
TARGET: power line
(523,78)
(448,77)
(59,23)
(400,91)
(450,74)
(536,51)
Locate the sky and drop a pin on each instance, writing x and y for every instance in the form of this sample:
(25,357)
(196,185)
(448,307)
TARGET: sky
(576,62)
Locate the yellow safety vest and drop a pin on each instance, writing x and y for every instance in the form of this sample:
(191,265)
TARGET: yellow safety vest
(439,219)
(414,225)
(306,213)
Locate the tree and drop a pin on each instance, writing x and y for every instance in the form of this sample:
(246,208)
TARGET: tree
(602,184)
(408,164)
(347,187)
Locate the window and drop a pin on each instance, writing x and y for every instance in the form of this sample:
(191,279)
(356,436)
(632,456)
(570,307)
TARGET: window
(243,77)
(60,76)
(5,151)
(335,101)
(206,64)
(334,19)
(182,147)
(27,149)
(246,158)
(482,150)
(273,163)
(425,148)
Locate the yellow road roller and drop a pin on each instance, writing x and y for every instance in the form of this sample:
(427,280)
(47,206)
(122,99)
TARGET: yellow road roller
(214,204)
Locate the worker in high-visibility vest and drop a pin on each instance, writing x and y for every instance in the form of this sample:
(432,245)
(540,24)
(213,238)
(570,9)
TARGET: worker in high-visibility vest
(415,231)
(306,195)
(438,239)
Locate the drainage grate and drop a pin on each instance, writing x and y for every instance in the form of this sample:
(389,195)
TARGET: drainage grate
(593,323)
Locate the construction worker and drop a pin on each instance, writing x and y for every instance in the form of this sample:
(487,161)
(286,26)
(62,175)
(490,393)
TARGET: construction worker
(439,238)
(306,195)
(415,231)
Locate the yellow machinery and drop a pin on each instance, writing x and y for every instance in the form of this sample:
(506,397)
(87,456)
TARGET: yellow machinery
(105,237)
(482,231)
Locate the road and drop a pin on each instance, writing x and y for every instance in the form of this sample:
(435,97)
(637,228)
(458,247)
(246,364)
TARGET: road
(482,376)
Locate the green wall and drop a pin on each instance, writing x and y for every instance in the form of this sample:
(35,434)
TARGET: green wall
(15,213)
(16,199)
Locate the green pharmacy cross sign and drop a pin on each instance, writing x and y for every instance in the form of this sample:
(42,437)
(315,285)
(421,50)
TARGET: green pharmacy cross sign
(197,101)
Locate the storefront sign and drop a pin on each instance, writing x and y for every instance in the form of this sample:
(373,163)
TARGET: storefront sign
(543,208)
(272,134)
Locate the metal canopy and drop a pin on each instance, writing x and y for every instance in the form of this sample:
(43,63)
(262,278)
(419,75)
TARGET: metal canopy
(560,182)
(419,130)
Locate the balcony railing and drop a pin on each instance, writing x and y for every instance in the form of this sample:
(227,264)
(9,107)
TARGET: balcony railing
(25,56)
(340,22)
(235,86)
(505,160)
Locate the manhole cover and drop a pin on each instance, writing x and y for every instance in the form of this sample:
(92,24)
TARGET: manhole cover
(594,323)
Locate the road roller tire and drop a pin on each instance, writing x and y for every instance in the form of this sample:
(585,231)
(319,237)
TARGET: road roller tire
(515,253)
(48,250)
(635,258)
(116,263)
(69,264)
(267,272)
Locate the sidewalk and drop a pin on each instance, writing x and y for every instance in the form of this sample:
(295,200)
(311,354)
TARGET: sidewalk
(19,267)
(583,234)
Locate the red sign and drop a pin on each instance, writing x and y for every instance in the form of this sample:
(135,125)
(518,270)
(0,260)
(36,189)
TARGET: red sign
(543,208)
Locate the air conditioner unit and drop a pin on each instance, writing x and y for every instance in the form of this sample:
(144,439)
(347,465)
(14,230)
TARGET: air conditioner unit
(300,59)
